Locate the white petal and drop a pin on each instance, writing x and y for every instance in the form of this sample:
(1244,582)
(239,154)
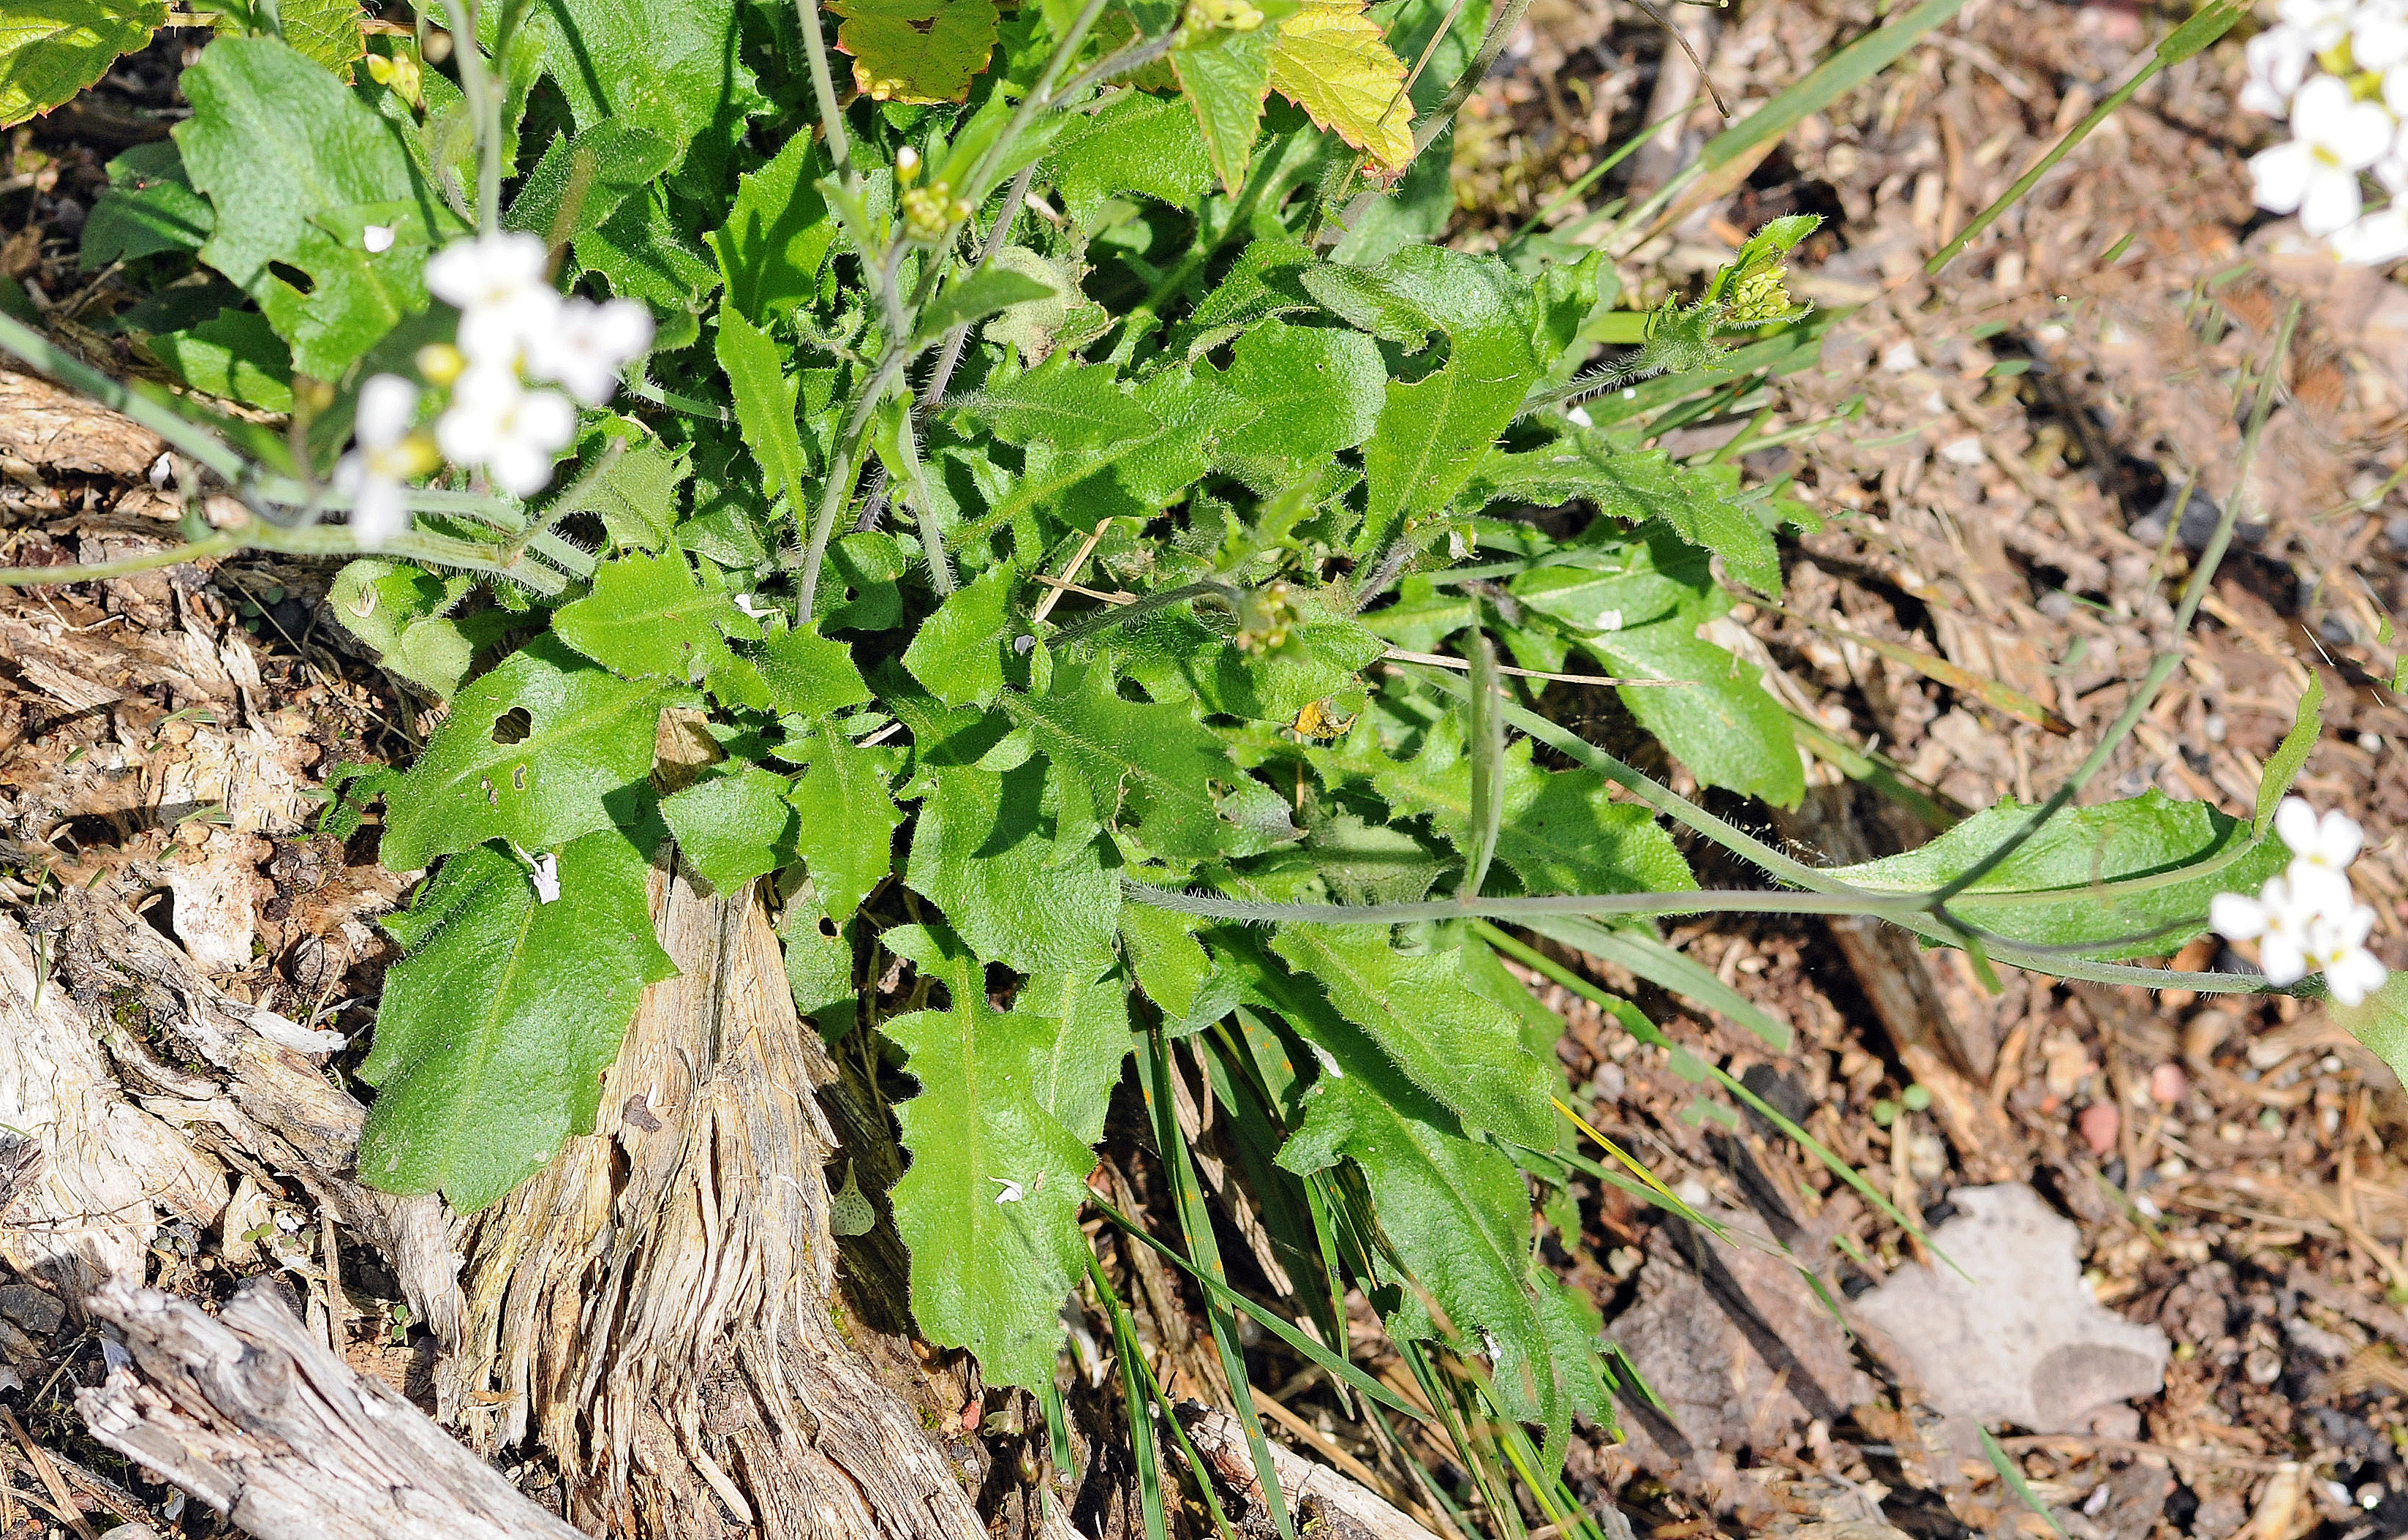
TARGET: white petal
(2236,916)
(2321,111)
(518,469)
(2280,176)
(2282,960)
(2331,201)
(387,403)
(546,420)
(2295,824)
(2315,892)
(2395,89)
(2375,241)
(545,877)
(2339,837)
(377,238)
(488,269)
(2365,132)
(2378,41)
(2356,976)
(377,514)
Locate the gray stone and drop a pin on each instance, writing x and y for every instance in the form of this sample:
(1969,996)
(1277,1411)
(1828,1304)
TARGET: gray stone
(37,1310)
(1734,1343)
(2015,1337)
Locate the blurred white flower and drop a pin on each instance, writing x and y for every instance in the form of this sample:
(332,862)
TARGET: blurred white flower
(512,432)
(2378,38)
(2330,842)
(2278,61)
(487,272)
(385,458)
(2335,137)
(2276,920)
(586,345)
(503,335)
(2309,919)
(2373,240)
(2336,946)
(2324,21)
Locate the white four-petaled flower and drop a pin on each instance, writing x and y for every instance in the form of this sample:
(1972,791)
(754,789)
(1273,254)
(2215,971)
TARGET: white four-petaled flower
(587,344)
(2334,138)
(494,421)
(2308,920)
(373,473)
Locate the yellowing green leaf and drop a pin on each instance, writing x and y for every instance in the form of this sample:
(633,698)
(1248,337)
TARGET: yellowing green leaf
(1330,60)
(1225,78)
(326,31)
(916,51)
(50,50)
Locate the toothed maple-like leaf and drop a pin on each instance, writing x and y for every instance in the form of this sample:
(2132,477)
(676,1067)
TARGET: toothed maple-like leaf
(989,1207)
(1332,60)
(1153,768)
(650,616)
(849,818)
(495,1029)
(1225,76)
(916,51)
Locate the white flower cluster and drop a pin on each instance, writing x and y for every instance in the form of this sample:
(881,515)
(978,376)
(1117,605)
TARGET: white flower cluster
(2308,920)
(2338,70)
(518,336)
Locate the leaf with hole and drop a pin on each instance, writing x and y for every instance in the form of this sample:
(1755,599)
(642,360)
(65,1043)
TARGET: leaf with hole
(543,749)
(296,166)
(916,51)
(494,1031)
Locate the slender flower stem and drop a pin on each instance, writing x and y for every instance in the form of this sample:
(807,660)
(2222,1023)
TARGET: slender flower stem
(484,108)
(824,87)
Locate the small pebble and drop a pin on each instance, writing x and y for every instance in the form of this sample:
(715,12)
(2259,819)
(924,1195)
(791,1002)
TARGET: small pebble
(2100,1123)
(2168,1084)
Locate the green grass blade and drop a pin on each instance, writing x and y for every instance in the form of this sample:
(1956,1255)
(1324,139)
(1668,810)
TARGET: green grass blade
(2183,42)
(1484,741)
(1659,964)
(1833,78)
(1329,1362)
(2014,1480)
(1156,1069)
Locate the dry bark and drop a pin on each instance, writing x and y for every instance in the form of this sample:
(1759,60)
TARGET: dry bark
(248,1412)
(42,426)
(261,1097)
(658,1305)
